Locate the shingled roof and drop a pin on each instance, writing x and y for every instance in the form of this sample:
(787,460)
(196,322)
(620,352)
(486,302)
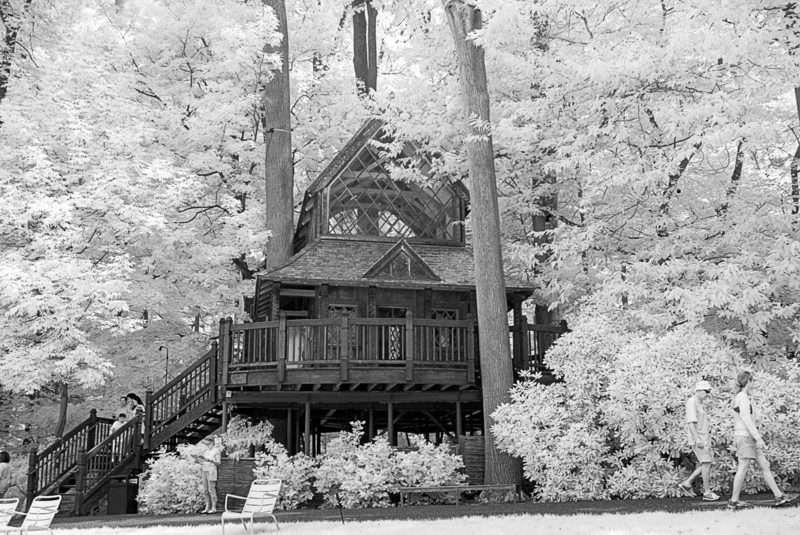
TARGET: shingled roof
(346,261)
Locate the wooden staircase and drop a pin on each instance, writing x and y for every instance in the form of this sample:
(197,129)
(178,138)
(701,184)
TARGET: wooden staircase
(81,464)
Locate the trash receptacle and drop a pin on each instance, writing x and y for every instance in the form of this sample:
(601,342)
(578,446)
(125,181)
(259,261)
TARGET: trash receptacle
(122,492)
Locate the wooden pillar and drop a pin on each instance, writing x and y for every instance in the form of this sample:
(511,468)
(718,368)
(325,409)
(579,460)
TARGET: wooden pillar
(281,346)
(275,301)
(307,431)
(290,442)
(371,424)
(459,425)
(517,356)
(33,478)
(470,349)
(427,300)
(80,482)
(390,424)
(225,416)
(344,341)
(225,353)
(372,312)
(409,347)
(323,300)
(147,433)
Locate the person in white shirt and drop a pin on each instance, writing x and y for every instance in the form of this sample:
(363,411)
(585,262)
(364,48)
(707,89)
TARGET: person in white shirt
(749,445)
(211,460)
(700,440)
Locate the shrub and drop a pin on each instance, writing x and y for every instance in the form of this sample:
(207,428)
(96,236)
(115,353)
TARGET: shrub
(296,474)
(242,435)
(172,482)
(365,475)
(615,427)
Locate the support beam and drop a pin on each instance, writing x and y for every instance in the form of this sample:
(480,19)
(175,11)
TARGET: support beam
(459,423)
(371,424)
(307,433)
(325,418)
(390,424)
(290,432)
(439,425)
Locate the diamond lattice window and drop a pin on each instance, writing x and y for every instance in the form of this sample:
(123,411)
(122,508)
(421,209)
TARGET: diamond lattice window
(444,335)
(363,200)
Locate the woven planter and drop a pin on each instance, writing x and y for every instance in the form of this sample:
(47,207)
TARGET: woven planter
(234,477)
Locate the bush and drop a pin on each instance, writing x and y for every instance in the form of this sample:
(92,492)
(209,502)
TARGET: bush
(365,475)
(242,435)
(172,482)
(296,474)
(615,427)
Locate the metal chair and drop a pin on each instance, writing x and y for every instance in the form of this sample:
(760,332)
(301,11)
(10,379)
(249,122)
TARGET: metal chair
(259,503)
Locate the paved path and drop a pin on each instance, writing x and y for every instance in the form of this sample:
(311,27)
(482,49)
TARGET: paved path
(428,511)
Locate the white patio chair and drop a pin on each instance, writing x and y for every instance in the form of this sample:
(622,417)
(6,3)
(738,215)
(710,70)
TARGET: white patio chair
(259,503)
(39,516)
(8,508)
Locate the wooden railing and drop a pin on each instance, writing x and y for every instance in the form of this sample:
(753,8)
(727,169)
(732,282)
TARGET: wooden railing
(48,468)
(345,342)
(532,342)
(111,456)
(193,390)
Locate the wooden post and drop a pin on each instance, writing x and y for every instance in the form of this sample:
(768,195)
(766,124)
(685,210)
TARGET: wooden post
(290,432)
(372,312)
(524,343)
(307,431)
(517,334)
(33,478)
(390,424)
(470,349)
(281,343)
(409,349)
(225,411)
(226,352)
(91,436)
(213,369)
(80,482)
(371,424)
(344,344)
(459,424)
(148,418)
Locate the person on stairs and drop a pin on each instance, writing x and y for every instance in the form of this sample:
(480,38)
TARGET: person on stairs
(211,459)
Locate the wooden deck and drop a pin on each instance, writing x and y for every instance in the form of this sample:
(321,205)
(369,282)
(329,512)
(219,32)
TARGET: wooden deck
(349,354)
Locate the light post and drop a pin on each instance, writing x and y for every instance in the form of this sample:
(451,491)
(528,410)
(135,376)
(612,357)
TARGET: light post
(166,364)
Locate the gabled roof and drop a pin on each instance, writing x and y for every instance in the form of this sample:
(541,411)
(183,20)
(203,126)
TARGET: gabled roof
(346,261)
(417,267)
(345,154)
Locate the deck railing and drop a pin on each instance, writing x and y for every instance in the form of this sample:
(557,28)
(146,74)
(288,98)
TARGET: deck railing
(53,464)
(350,342)
(532,342)
(194,388)
(111,456)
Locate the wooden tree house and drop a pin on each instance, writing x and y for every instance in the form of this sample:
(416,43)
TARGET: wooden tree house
(372,319)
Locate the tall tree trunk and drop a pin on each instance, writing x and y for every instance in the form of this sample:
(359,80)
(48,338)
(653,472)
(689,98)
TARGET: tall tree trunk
(63,390)
(794,171)
(365,55)
(496,367)
(278,165)
(10,22)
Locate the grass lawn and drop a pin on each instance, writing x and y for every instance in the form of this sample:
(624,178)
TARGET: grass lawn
(757,521)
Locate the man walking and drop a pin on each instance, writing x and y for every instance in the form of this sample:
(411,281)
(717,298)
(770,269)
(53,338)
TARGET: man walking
(700,440)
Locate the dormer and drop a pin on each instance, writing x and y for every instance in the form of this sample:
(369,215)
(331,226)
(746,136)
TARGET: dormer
(356,196)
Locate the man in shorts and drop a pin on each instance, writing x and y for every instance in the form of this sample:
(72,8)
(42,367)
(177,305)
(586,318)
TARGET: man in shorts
(700,441)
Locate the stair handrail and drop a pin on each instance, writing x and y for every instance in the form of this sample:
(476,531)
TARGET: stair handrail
(193,390)
(109,457)
(53,463)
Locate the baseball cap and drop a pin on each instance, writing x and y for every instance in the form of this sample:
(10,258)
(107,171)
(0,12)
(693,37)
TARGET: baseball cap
(702,385)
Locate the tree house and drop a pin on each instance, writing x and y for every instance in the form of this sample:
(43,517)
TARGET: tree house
(373,318)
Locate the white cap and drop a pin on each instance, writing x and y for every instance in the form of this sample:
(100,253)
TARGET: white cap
(702,385)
